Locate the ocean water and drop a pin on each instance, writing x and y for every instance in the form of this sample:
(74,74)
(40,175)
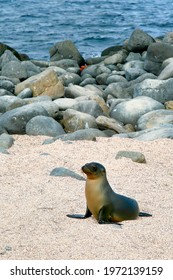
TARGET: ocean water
(33,26)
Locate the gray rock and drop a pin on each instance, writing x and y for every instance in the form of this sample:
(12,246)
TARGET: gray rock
(66,50)
(136,134)
(7,85)
(102,69)
(6,101)
(160,133)
(70,78)
(87,81)
(64,172)
(102,78)
(74,120)
(91,70)
(83,134)
(133,73)
(6,57)
(90,107)
(133,56)
(26,93)
(4,92)
(130,111)
(65,103)
(6,141)
(156,54)
(160,90)
(139,41)
(14,121)
(134,156)
(73,91)
(64,63)
(31,68)
(14,69)
(119,57)
(117,90)
(167,72)
(51,107)
(115,79)
(155,118)
(42,125)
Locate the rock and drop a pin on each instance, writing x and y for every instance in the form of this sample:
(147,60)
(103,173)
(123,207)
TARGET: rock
(64,172)
(66,49)
(165,132)
(65,103)
(134,156)
(155,118)
(6,141)
(133,56)
(65,63)
(26,93)
(91,70)
(115,79)
(45,83)
(133,69)
(4,48)
(168,38)
(7,85)
(156,54)
(167,72)
(43,125)
(130,111)
(4,92)
(160,90)
(51,107)
(119,57)
(14,121)
(31,68)
(74,120)
(6,101)
(102,78)
(109,123)
(169,105)
(138,41)
(90,107)
(7,57)
(70,78)
(117,90)
(87,81)
(14,69)
(82,134)
(73,91)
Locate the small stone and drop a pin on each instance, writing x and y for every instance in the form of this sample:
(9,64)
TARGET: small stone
(64,172)
(134,156)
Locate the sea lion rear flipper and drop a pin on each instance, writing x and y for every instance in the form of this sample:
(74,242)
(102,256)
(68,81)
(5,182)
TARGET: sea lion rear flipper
(79,216)
(143,214)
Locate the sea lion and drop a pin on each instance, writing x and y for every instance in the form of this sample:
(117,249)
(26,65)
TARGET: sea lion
(103,203)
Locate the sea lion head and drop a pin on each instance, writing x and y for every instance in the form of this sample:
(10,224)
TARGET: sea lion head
(94,170)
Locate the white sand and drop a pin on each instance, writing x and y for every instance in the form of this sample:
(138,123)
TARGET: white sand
(33,222)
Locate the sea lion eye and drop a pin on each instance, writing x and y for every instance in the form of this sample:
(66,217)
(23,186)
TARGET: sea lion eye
(94,167)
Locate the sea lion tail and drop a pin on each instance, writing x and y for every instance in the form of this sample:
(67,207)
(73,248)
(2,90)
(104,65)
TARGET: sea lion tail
(143,214)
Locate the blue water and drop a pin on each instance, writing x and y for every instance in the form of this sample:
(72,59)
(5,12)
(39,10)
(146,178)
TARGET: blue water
(33,26)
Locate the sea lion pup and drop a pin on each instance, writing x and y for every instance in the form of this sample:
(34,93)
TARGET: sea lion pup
(102,202)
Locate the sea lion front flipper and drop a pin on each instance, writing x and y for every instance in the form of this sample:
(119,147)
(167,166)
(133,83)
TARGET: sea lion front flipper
(103,217)
(79,216)
(143,214)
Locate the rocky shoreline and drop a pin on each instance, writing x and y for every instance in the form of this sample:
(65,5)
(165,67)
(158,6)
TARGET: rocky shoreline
(126,92)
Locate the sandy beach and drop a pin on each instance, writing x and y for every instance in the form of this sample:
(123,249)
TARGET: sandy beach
(34,204)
